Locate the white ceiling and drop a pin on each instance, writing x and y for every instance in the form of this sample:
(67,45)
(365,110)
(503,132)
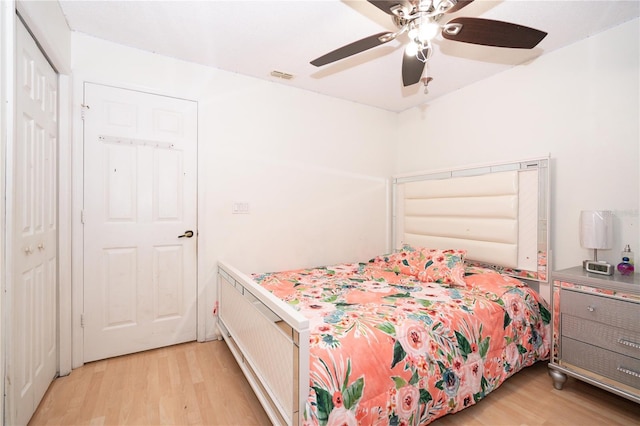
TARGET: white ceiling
(255,37)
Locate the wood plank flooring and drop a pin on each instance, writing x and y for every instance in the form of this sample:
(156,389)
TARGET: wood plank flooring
(201,384)
(189,384)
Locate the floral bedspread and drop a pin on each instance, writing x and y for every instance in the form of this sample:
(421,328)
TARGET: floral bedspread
(391,346)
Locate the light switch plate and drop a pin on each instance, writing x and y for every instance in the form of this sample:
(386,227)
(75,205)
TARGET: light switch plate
(240,208)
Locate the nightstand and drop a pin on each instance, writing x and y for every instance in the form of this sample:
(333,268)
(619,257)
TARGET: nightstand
(596,330)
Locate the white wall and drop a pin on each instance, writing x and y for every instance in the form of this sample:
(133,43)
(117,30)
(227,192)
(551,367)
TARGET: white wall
(313,169)
(579,104)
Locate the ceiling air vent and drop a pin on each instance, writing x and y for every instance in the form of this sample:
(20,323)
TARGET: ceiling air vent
(282,75)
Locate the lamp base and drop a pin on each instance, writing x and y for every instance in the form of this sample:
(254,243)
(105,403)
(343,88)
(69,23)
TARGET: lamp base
(598,267)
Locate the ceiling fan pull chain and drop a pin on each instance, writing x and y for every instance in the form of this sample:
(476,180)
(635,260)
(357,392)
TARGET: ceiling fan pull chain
(426,81)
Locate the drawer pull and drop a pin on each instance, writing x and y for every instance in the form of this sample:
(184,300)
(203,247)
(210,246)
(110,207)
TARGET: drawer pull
(629,343)
(629,372)
(591,308)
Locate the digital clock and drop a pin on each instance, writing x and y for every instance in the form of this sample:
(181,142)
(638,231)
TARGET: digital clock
(596,267)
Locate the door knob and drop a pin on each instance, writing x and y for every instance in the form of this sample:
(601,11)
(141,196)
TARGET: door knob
(187,234)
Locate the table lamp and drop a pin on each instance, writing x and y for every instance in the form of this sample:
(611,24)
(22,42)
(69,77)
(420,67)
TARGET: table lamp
(596,232)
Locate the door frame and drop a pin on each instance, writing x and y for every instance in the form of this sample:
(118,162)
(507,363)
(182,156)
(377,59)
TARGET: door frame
(7,88)
(77,191)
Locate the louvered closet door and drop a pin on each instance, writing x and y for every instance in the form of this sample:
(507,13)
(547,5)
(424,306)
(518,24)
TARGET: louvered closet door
(139,199)
(33,289)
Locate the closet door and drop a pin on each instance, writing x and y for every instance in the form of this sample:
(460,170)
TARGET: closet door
(33,352)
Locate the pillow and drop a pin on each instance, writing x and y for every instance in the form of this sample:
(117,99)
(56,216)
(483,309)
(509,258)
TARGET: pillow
(429,265)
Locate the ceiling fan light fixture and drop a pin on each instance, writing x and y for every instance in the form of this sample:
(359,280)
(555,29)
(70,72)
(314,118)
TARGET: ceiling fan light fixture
(424,52)
(428,31)
(411,49)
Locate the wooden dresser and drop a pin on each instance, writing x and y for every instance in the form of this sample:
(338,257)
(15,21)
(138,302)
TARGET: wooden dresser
(596,330)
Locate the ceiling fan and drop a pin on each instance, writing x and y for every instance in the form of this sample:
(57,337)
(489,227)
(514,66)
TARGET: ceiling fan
(420,19)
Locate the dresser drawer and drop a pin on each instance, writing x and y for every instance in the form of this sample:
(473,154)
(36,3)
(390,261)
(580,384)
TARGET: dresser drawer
(602,335)
(618,313)
(620,368)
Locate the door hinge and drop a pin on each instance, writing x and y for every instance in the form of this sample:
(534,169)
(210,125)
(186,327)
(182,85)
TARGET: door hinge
(83,108)
(82,216)
(81,320)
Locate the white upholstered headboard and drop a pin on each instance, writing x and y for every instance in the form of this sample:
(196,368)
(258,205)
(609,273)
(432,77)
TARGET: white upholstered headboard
(498,213)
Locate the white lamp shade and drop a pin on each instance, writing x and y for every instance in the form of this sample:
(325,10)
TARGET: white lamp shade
(596,229)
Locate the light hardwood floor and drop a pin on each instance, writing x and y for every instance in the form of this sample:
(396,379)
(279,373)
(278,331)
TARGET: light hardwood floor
(200,383)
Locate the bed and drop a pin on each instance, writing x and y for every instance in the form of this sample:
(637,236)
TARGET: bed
(408,336)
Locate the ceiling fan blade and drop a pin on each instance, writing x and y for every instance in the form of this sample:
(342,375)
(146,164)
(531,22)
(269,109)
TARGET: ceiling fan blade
(493,33)
(351,49)
(459,5)
(412,69)
(387,5)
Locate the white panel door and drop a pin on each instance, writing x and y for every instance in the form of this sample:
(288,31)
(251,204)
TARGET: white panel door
(33,353)
(139,210)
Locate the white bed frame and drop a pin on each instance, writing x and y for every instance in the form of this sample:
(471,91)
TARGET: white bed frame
(498,213)
(270,342)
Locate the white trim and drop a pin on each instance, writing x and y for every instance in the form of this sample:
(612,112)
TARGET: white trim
(64,225)
(7,43)
(77,232)
(203,305)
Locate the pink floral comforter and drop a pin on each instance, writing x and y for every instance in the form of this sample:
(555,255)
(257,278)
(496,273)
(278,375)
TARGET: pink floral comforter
(391,346)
